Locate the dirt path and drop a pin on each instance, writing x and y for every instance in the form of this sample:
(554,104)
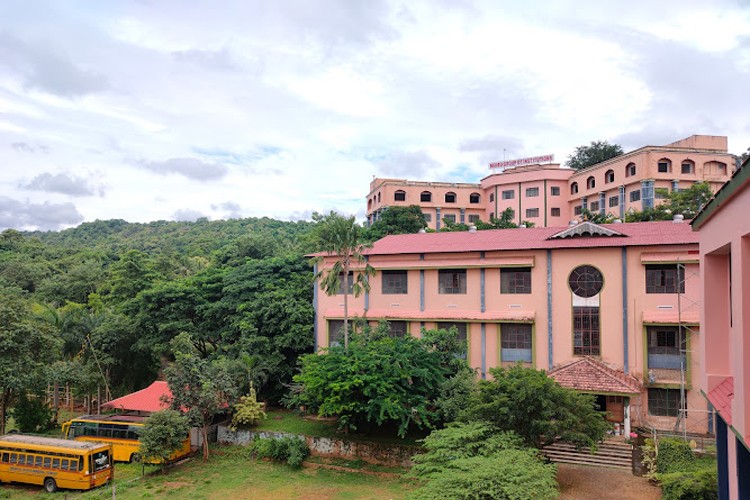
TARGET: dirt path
(579,482)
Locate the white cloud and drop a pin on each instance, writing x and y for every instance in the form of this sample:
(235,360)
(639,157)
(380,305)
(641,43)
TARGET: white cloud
(235,109)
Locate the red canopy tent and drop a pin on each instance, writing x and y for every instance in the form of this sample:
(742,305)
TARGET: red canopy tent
(147,400)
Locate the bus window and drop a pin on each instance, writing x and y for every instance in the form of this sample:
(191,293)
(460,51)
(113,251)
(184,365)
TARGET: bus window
(133,431)
(38,461)
(47,462)
(55,463)
(100,461)
(5,458)
(74,465)
(64,464)
(21,459)
(13,458)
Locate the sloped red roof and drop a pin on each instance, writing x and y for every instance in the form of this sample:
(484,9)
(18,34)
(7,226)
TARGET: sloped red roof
(591,375)
(635,234)
(721,398)
(149,399)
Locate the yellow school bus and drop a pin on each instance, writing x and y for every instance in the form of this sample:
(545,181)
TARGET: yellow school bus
(54,463)
(121,431)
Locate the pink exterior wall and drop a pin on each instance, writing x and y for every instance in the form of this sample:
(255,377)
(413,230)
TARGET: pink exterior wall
(725,238)
(705,154)
(644,309)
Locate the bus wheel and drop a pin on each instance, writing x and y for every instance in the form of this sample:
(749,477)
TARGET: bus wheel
(135,458)
(50,486)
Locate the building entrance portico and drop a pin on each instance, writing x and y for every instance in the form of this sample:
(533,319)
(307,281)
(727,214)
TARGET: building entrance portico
(612,388)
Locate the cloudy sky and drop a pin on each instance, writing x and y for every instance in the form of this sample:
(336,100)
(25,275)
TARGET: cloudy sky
(155,109)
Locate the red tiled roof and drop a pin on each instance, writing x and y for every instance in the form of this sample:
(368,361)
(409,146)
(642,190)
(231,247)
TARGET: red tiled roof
(148,399)
(590,375)
(636,234)
(721,398)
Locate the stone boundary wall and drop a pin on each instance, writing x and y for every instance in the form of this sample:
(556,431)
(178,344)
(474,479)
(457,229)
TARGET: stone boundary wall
(374,453)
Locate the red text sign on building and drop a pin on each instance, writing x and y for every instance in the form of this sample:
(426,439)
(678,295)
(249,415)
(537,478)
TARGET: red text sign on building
(523,161)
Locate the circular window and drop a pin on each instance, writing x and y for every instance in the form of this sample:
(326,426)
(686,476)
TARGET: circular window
(586,281)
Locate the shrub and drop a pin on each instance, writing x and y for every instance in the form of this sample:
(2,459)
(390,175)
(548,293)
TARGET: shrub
(692,485)
(681,474)
(248,411)
(507,474)
(674,456)
(292,450)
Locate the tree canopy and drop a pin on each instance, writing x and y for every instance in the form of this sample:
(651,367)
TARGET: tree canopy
(595,152)
(538,409)
(397,220)
(379,380)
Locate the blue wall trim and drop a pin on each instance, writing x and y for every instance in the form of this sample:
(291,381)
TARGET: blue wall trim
(315,309)
(481,290)
(421,290)
(625,309)
(549,308)
(484,349)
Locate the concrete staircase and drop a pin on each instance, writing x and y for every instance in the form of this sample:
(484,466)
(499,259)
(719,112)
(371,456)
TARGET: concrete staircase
(613,454)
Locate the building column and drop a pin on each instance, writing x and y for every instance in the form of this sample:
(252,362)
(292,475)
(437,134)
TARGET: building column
(484,351)
(626,409)
(622,202)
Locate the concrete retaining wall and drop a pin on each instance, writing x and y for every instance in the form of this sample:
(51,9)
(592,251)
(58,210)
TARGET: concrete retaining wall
(375,453)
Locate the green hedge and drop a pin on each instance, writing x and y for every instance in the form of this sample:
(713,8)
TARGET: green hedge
(682,475)
(292,450)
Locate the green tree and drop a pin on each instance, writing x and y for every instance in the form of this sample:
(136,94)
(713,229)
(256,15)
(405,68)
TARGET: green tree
(474,460)
(379,380)
(205,387)
(687,202)
(596,152)
(397,220)
(534,406)
(26,348)
(342,238)
(163,434)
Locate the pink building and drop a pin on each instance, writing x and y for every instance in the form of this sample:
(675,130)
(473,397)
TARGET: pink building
(724,377)
(610,310)
(550,195)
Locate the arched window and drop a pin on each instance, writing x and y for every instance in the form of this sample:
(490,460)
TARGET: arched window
(369,204)
(574,188)
(586,283)
(399,195)
(425,196)
(664,166)
(474,198)
(630,170)
(609,176)
(450,197)
(687,167)
(590,182)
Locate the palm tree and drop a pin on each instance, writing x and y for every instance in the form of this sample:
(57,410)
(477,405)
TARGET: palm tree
(342,238)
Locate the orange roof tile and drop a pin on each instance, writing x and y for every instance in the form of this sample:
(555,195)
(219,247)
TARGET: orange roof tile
(591,375)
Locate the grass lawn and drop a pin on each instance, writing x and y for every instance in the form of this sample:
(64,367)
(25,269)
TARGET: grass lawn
(231,473)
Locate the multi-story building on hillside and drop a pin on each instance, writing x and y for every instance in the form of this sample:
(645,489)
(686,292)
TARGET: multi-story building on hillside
(551,195)
(724,377)
(610,310)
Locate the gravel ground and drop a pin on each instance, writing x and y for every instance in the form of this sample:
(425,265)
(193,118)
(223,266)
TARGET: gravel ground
(580,482)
